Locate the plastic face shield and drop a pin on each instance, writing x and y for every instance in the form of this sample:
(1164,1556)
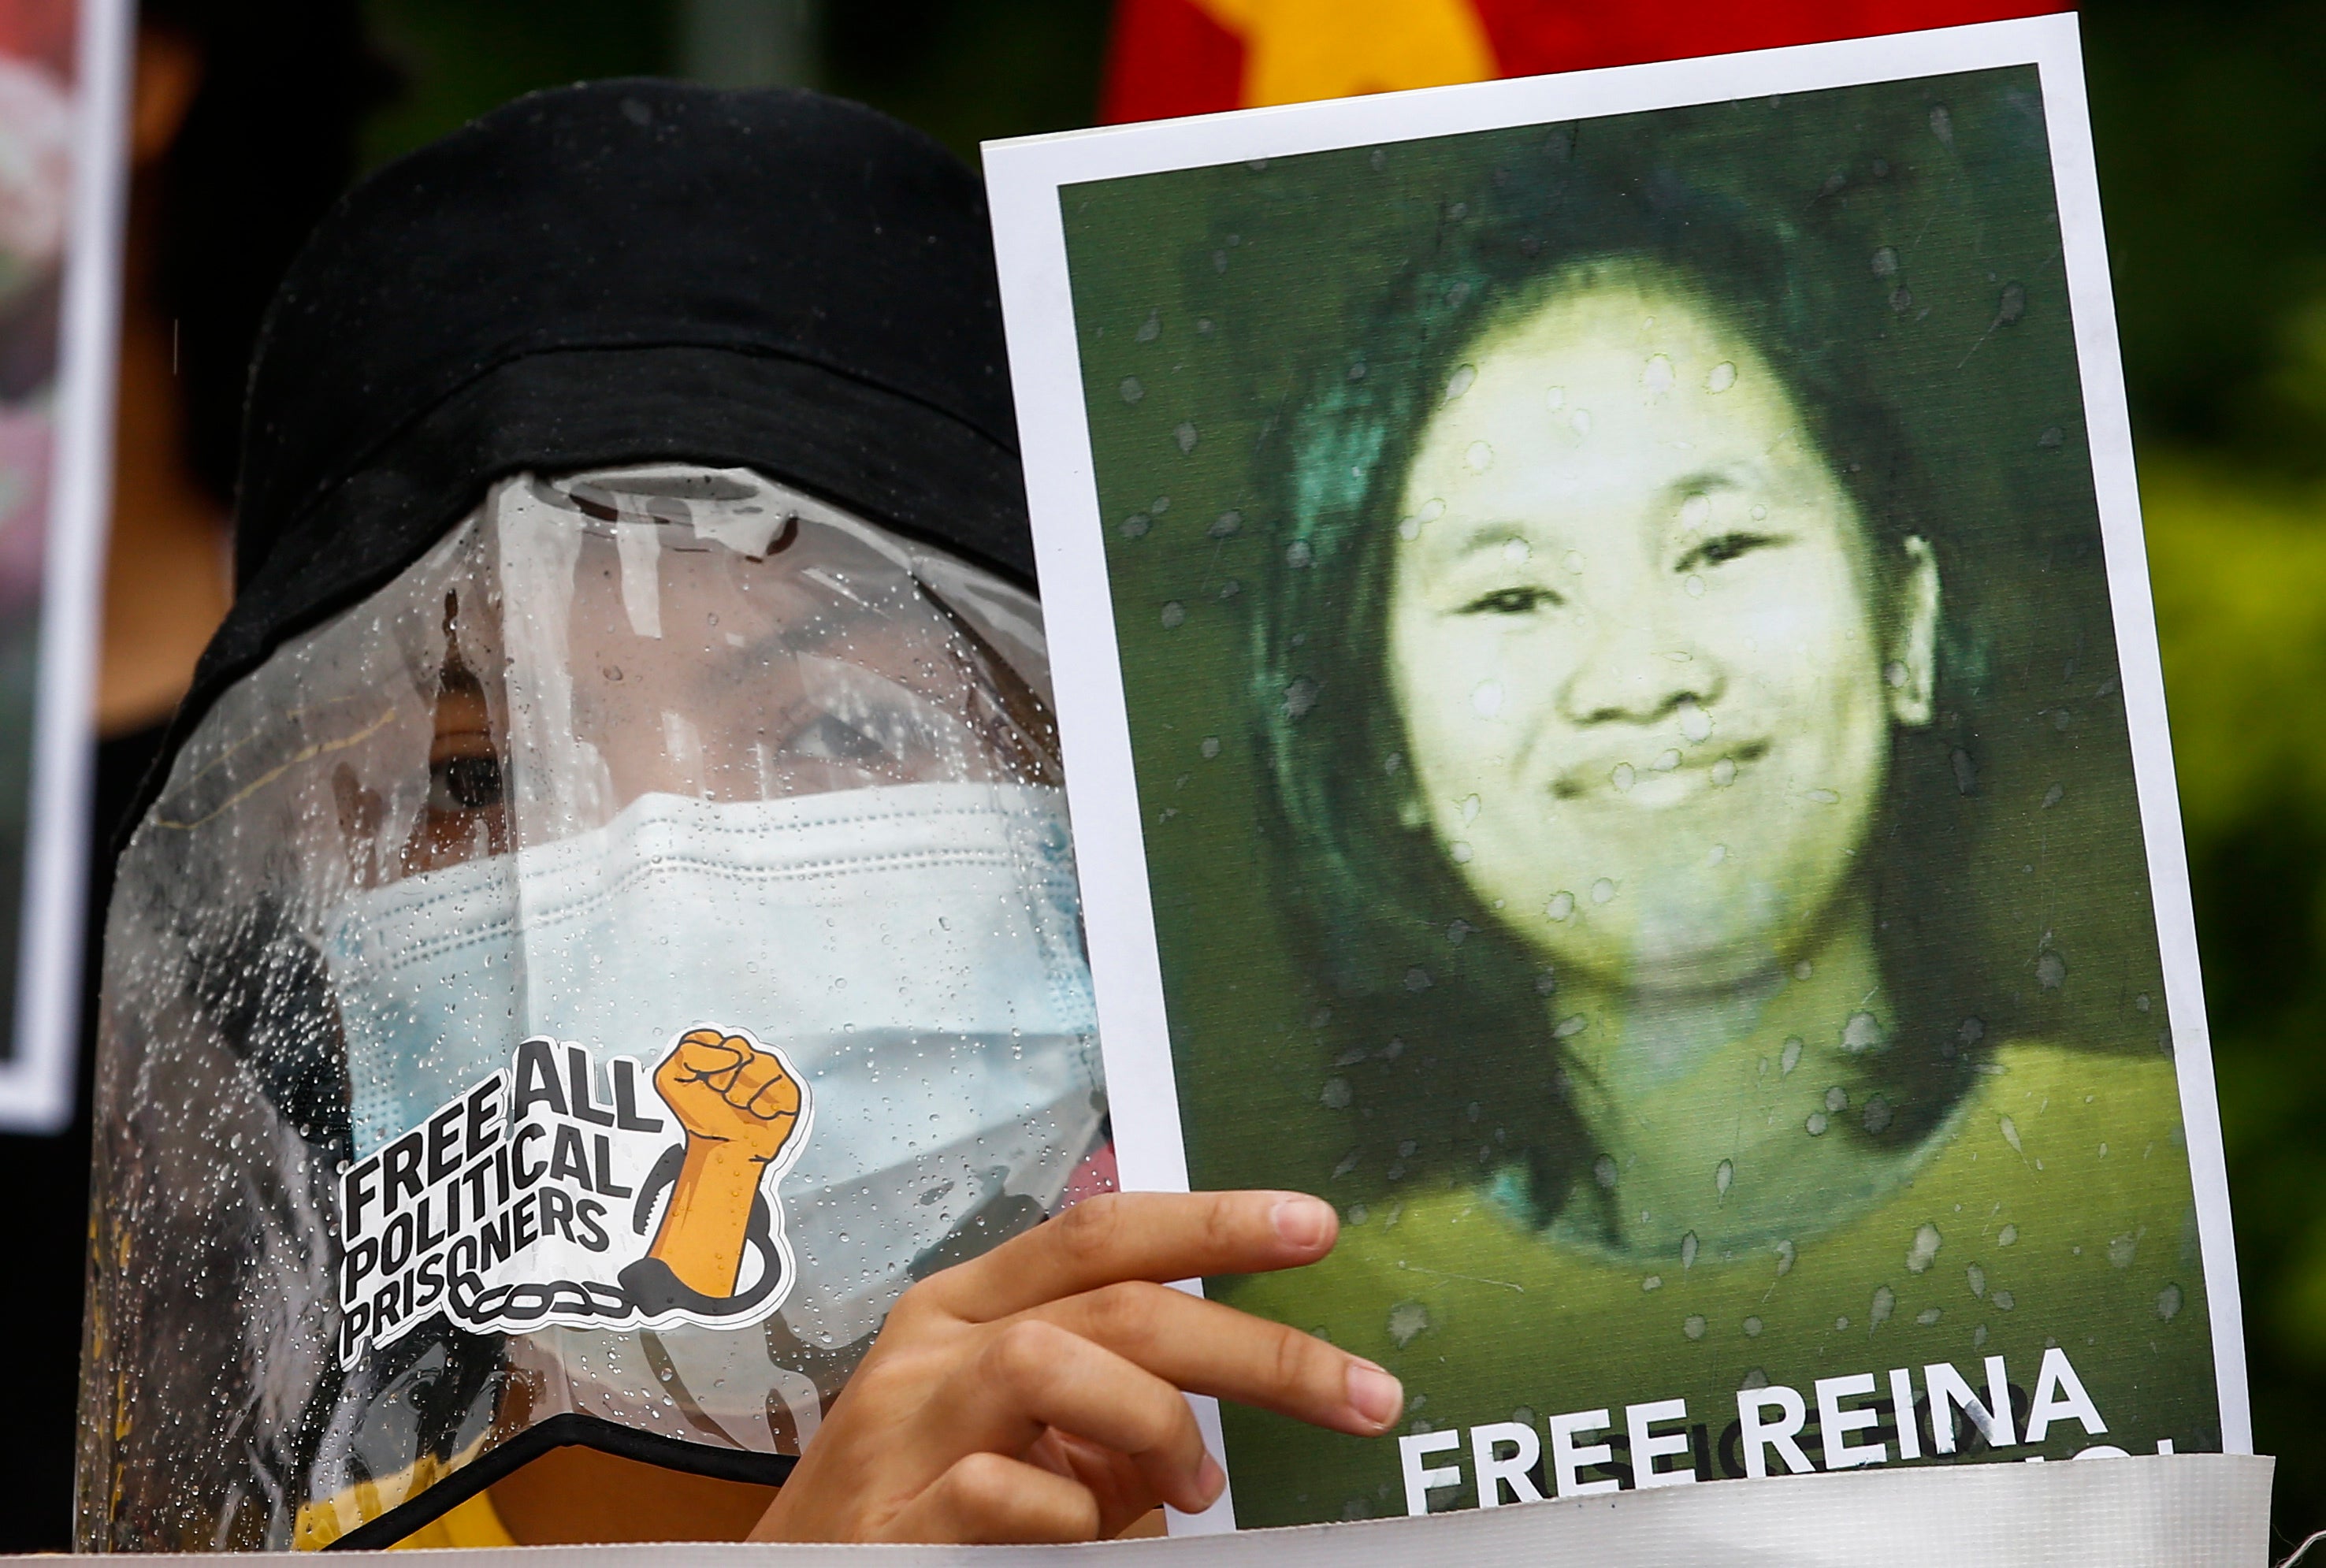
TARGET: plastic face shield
(566,998)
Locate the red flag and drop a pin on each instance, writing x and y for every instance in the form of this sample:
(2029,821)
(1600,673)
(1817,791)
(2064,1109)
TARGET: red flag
(1189,57)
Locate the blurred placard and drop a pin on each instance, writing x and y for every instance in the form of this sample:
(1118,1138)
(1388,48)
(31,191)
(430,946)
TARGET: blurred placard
(63,69)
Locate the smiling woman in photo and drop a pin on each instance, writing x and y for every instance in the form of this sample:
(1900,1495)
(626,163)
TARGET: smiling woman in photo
(1600,685)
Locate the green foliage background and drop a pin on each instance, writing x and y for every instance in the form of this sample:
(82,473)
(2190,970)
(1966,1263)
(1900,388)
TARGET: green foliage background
(2211,131)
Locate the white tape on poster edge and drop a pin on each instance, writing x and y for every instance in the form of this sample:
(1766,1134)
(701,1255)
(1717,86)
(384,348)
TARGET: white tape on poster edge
(2184,1511)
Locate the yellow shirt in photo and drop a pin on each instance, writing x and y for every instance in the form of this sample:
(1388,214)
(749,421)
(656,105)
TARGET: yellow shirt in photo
(2053,1207)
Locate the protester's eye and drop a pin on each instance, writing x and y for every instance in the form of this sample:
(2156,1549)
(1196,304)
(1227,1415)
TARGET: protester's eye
(1723,548)
(464,784)
(831,738)
(1513,602)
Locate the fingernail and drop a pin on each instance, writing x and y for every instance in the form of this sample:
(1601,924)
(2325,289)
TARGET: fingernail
(1373,1394)
(1302,1221)
(1210,1480)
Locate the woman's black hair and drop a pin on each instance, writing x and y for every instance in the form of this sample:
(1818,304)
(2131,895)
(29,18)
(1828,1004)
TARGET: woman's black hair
(270,141)
(1439,1023)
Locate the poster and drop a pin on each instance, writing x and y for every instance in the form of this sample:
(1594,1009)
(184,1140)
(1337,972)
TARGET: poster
(63,69)
(1614,729)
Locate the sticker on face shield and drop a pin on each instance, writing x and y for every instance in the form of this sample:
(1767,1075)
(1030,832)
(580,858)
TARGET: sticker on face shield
(550,1194)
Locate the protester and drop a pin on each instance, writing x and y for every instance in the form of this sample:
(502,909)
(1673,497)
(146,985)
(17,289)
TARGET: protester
(604,941)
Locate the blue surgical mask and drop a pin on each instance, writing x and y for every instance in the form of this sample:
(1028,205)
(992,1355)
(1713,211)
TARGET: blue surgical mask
(912,952)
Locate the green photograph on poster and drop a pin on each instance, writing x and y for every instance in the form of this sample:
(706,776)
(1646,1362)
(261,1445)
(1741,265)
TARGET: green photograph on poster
(1614,734)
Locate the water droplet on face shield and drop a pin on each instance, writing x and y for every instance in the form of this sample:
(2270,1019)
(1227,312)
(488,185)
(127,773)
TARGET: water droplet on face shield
(1724,772)
(1603,891)
(1486,699)
(1656,377)
(1925,1250)
(1561,906)
(2168,1303)
(1406,1322)
(1464,377)
(1185,436)
(1724,1176)
(1479,458)
(1174,615)
(1131,389)
(1695,723)
(1693,1327)
(1580,422)
(1623,778)
(1603,1170)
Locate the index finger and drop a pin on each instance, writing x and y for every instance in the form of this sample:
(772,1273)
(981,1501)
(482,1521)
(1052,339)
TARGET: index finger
(1159,1236)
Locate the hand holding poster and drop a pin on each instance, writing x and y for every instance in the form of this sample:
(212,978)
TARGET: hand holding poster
(1614,732)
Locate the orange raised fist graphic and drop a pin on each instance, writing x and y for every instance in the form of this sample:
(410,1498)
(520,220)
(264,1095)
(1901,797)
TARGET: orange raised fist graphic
(739,1107)
(724,1090)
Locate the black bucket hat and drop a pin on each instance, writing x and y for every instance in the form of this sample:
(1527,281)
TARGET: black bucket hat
(621,272)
